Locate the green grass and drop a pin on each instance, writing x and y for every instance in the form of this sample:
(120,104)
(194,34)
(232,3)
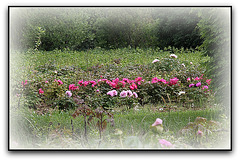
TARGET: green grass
(89,58)
(39,131)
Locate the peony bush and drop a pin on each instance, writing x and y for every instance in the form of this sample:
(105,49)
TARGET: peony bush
(161,81)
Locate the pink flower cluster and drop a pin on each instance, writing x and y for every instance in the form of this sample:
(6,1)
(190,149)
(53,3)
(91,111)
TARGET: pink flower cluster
(69,93)
(112,93)
(73,87)
(85,83)
(40,91)
(198,84)
(128,93)
(116,83)
(172,81)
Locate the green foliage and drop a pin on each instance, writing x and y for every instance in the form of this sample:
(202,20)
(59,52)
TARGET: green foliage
(110,28)
(215,30)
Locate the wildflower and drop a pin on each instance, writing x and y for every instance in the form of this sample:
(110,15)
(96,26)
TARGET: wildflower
(93,83)
(46,81)
(181,92)
(173,56)
(97,90)
(188,79)
(157,122)
(69,93)
(205,87)
(59,82)
(129,93)
(200,133)
(165,143)
(198,84)
(123,94)
(190,85)
(191,63)
(40,91)
(183,65)
(135,94)
(155,60)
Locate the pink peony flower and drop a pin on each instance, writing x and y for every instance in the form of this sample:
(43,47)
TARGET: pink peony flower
(135,95)
(129,93)
(133,86)
(188,79)
(85,83)
(173,81)
(190,85)
(68,93)
(155,60)
(123,94)
(110,93)
(205,87)
(165,143)
(93,83)
(80,82)
(198,84)
(162,80)
(97,90)
(73,87)
(114,92)
(40,91)
(157,122)
(123,83)
(196,78)
(46,82)
(154,80)
(115,81)
(59,82)
(138,79)
(173,56)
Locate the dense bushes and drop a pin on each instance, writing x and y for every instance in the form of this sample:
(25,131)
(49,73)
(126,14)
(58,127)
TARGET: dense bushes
(84,28)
